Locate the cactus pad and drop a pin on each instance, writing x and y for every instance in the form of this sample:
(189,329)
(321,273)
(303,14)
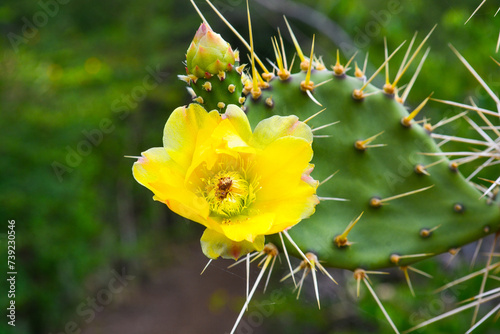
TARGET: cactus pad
(440,211)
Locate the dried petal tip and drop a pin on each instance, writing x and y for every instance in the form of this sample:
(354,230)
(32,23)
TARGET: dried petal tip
(209,53)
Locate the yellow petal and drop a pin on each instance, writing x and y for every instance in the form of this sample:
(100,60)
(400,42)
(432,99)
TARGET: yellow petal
(215,244)
(247,227)
(187,128)
(239,120)
(164,177)
(192,208)
(291,209)
(307,178)
(234,129)
(155,165)
(275,127)
(280,165)
(227,134)
(286,188)
(274,160)
(225,139)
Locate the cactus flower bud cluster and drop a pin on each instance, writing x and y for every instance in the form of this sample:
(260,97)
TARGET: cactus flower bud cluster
(209,54)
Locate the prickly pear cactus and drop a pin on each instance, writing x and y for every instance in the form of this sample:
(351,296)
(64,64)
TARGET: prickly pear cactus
(437,211)
(212,70)
(415,202)
(389,196)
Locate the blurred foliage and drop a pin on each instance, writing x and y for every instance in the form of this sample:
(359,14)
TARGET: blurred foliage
(75,222)
(73,94)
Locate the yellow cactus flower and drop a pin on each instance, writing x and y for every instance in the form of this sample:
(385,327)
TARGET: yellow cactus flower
(240,185)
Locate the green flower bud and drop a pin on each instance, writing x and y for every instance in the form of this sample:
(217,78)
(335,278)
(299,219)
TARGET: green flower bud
(209,54)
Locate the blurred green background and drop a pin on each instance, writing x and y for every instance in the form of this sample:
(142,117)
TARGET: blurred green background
(85,83)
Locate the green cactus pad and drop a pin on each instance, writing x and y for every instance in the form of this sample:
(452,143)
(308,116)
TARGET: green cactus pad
(217,92)
(436,220)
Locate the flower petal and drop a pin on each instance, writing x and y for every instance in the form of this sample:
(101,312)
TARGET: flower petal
(275,127)
(226,134)
(228,137)
(281,164)
(156,166)
(286,188)
(239,120)
(291,208)
(200,145)
(187,128)
(247,227)
(215,244)
(164,177)
(191,207)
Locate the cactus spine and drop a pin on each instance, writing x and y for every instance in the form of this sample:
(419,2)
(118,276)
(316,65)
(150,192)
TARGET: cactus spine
(405,199)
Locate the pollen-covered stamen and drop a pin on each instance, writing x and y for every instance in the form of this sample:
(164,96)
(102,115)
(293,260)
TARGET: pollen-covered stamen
(227,193)
(223,187)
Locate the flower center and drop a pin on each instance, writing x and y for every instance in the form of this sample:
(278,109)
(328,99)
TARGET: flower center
(227,193)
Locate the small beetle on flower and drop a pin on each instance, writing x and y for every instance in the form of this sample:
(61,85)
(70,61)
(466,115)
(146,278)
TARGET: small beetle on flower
(240,185)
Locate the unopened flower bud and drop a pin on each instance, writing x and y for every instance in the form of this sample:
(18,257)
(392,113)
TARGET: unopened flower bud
(209,53)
